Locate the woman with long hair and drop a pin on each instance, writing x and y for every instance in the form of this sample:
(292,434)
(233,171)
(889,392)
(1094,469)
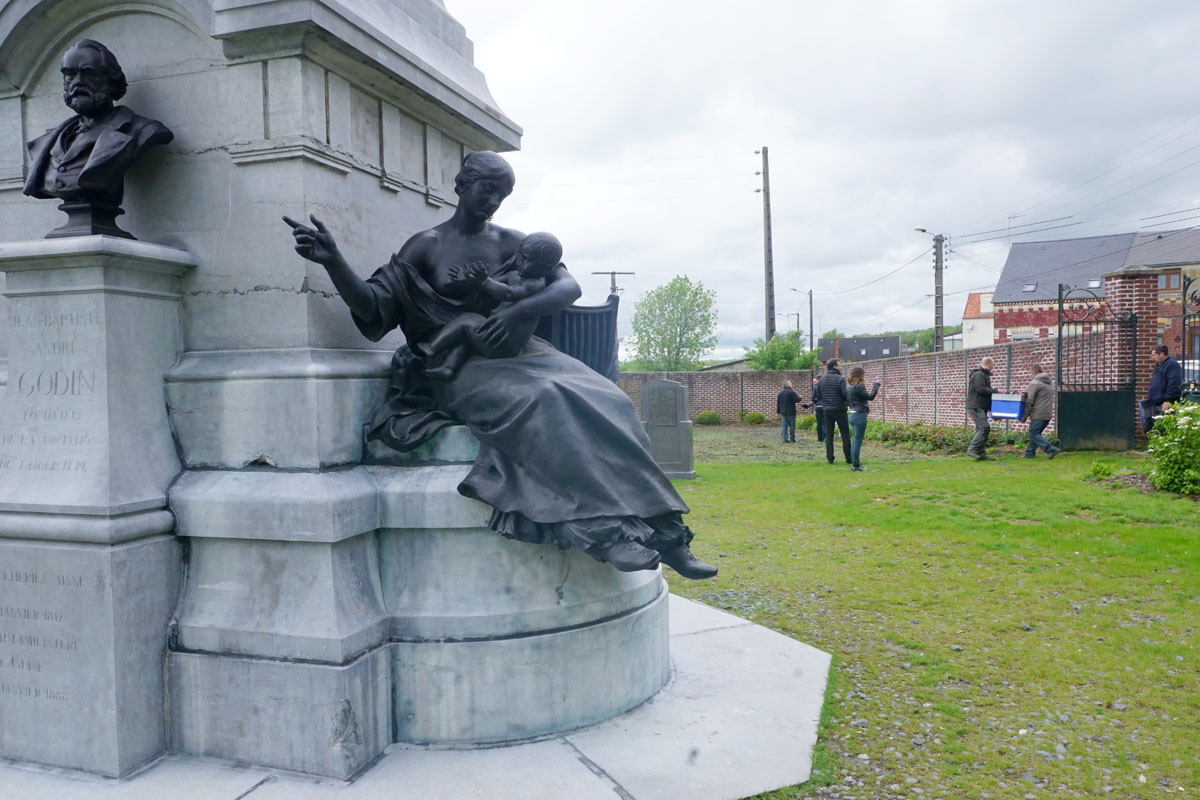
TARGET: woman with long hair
(858,403)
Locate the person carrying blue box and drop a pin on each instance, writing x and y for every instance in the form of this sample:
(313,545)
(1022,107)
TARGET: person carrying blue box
(979,407)
(1039,410)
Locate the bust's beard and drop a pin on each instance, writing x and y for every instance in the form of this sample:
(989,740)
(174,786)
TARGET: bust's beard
(88,104)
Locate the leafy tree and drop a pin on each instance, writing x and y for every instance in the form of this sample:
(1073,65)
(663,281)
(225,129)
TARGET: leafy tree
(782,352)
(674,325)
(833,333)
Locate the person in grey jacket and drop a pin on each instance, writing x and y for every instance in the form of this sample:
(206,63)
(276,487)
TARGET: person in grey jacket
(979,408)
(831,391)
(1039,410)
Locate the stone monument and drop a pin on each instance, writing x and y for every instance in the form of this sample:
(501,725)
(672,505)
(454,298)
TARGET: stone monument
(182,473)
(664,413)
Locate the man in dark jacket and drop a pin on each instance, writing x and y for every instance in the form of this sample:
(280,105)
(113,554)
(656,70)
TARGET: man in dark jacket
(1166,386)
(785,407)
(979,408)
(1039,410)
(831,392)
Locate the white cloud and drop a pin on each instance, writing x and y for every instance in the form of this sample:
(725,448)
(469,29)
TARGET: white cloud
(641,119)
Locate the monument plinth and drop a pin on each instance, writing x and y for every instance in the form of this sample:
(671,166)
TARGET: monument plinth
(88,571)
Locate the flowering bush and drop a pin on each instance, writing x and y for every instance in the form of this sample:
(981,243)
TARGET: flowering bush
(1175,449)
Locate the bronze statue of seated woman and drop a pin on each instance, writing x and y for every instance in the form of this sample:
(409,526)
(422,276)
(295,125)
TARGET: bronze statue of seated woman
(563,458)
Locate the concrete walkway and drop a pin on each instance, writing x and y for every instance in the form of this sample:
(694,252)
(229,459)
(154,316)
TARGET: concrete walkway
(739,717)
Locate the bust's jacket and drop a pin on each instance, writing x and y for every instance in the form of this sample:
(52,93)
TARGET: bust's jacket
(115,145)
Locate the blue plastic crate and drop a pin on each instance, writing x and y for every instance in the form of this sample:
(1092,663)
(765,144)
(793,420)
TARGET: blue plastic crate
(1007,406)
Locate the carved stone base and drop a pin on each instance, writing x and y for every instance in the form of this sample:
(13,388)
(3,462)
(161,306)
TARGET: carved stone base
(90,218)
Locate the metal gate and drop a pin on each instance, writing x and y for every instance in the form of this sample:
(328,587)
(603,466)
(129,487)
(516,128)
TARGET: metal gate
(1189,352)
(1097,377)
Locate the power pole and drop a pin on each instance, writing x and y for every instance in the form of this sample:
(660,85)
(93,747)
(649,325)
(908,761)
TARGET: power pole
(613,275)
(811,346)
(768,258)
(938,265)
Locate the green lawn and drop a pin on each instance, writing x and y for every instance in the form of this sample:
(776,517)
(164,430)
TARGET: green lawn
(1002,629)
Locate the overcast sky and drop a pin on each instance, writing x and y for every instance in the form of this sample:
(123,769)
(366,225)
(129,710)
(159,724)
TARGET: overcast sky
(641,119)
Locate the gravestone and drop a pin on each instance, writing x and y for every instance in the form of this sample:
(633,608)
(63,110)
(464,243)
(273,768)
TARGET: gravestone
(664,415)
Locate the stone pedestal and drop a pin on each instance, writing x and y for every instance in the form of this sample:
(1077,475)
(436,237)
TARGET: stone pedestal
(327,614)
(88,578)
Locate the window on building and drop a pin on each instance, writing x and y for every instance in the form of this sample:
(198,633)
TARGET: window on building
(1095,283)
(1029,287)
(862,351)
(887,351)
(1173,280)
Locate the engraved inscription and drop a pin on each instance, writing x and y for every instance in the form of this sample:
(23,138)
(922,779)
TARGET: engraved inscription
(62,319)
(48,430)
(662,408)
(38,651)
(57,383)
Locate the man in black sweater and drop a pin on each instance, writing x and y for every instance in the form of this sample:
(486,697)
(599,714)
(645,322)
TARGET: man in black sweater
(785,407)
(831,391)
(979,408)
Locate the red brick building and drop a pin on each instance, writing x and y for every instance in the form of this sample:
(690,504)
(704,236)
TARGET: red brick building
(1026,298)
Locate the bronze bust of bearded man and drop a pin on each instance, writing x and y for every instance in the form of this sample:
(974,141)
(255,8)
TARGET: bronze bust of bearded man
(83,161)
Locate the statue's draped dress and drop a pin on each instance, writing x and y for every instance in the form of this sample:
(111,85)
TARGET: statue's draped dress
(562,458)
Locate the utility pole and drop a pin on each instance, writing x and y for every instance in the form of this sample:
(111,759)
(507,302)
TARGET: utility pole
(768,259)
(939,262)
(613,275)
(811,346)
(939,341)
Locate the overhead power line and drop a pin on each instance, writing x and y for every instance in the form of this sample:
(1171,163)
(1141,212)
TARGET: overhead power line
(880,278)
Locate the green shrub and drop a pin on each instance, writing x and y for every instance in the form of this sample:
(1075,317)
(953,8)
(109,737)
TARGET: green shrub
(1101,470)
(755,418)
(807,422)
(708,418)
(1175,450)
(919,435)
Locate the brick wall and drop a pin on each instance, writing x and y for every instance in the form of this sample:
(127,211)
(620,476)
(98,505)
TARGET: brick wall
(929,387)
(932,386)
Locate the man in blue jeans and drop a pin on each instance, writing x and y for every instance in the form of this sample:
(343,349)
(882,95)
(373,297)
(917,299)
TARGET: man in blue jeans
(785,407)
(1039,410)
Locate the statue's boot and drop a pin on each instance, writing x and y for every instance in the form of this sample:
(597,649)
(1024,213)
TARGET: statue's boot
(631,557)
(680,559)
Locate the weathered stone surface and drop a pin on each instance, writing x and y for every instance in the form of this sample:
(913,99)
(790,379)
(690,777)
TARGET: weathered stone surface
(514,588)
(269,504)
(508,689)
(94,322)
(321,719)
(320,401)
(733,721)
(82,638)
(301,600)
